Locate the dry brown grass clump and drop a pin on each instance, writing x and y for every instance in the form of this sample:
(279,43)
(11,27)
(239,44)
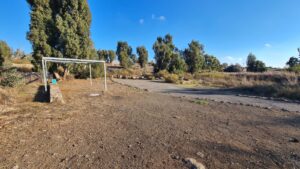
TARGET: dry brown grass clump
(270,84)
(5,97)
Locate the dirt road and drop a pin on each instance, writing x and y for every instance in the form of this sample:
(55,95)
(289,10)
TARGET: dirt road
(133,129)
(226,95)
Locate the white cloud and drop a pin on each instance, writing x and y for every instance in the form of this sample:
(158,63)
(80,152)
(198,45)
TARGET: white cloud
(141,21)
(267,45)
(160,18)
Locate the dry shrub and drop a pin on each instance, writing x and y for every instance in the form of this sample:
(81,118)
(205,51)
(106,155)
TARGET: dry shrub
(270,84)
(163,74)
(168,77)
(172,78)
(11,78)
(5,97)
(290,91)
(247,79)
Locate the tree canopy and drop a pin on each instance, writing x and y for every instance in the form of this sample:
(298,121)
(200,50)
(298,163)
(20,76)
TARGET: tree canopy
(177,64)
(125,56)
(5,52)
(163,49)
(108,55)
(194,57)
(143,55)
(212,63)
(60,29)
(293,62)
(254,65)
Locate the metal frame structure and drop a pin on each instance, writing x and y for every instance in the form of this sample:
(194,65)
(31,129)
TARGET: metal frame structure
(45,60)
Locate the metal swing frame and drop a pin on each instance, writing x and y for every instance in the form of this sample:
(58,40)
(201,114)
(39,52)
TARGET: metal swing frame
(45,60)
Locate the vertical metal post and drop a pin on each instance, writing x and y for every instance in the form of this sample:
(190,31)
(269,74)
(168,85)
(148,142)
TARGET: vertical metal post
(90,66)
(105,76)
(46,70)
(44,74)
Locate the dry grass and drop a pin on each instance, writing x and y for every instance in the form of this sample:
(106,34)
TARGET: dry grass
(270,84)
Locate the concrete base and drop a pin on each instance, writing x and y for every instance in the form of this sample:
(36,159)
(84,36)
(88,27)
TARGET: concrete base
(55,94)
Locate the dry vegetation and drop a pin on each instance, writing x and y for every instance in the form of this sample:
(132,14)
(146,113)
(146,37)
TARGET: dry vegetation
(269,84)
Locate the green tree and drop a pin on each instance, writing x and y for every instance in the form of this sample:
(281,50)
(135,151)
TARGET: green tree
(124,53)
(194,57)
(293,62)
(60,29)
(143,56)
(111,56)
(5,52)
(73,23)
(233,68)
(254,65)
(212,63)
(40,30)
(251,61)
(102,54)
(260,66)
(163,49)
(177,64)
(108,55)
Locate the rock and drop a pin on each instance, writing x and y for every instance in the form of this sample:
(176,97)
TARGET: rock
(16,167)
(200,154)
(175,157)
(293,140)
(194,164)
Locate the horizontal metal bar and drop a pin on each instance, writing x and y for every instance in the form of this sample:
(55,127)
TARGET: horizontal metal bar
(66,61)
(72,60)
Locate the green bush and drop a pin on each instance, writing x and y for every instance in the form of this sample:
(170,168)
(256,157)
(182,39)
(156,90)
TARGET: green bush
(295,69)
(83,71)
(11,78)
(234,68)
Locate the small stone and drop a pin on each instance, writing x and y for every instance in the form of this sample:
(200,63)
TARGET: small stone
(293,140)
(200,154)
(175,157)
(16,167)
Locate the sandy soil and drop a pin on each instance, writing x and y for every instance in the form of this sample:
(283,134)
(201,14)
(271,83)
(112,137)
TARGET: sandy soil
(130,128)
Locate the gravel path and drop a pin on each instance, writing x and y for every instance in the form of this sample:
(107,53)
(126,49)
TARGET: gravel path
(226,95)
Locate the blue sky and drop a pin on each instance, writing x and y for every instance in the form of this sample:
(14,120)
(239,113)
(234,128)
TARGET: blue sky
(229,29)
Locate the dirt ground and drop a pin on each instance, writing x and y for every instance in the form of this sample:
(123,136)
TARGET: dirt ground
(130,128)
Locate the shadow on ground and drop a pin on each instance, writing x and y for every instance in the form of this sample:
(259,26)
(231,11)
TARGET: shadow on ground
(42,96)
